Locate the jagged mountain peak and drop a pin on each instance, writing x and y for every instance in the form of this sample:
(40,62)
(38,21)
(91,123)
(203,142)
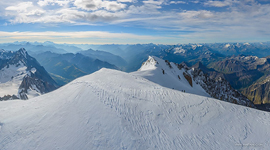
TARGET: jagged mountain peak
(23,52)
(169,75)
(183,65)
(22,76)
(154,62)
(149,64)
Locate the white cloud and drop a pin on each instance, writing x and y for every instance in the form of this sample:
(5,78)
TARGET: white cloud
(77,16)
(241,16)
(219,3)
(88,4)
(27,12)
(113,5)
(177,2)
(196,2)
(92,5)
(43,3)
(201,14)
(21,7)
(35,12)
(24,12)
(126,1)
(88,37)
(152,2)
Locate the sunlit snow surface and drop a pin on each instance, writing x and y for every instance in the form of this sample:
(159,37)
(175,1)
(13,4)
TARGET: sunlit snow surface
(11,78)
(114,110)
(153,68)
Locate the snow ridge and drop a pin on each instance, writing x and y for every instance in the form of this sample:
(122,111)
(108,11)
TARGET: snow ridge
(149,64)
(169,75)
(190,80)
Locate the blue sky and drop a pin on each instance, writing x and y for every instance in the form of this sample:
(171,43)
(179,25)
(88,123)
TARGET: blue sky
(134,21)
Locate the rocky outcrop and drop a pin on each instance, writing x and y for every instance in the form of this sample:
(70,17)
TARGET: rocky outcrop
(8,97)
(220,88)
(259,92)
(188,78)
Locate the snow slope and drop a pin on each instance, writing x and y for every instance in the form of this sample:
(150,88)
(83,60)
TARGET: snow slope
(190,79)
(115,110)
(153,68)
(11,78)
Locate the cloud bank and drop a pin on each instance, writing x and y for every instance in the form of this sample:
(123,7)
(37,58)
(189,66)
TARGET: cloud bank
(244,17)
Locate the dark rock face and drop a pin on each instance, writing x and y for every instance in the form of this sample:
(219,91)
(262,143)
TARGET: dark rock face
(168,63)
(8,97)
(219,88)
(214,84)
(36,78)
(241,71)
(249,74)
(188,78)
(182,65)
(259,92)
(34,83)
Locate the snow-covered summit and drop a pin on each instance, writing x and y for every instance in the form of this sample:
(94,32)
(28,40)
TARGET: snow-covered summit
(149,64)
(190,79)
(110,109)
(169,75)
(227,45)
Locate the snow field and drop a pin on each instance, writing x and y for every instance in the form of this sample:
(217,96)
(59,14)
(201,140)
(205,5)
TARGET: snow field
(115,110)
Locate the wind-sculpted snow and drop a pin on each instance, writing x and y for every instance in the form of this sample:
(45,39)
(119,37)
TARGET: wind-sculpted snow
(114,110)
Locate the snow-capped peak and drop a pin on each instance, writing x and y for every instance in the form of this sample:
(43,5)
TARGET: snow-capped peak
(169,75)
(179,50)
(190,80)
(23,52)
(18,76)
(227,45)
(149,64)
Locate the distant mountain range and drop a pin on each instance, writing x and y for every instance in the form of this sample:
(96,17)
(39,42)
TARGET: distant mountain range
(32,48)
(244,65)
(249,74)
(69,66)
(105,56)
